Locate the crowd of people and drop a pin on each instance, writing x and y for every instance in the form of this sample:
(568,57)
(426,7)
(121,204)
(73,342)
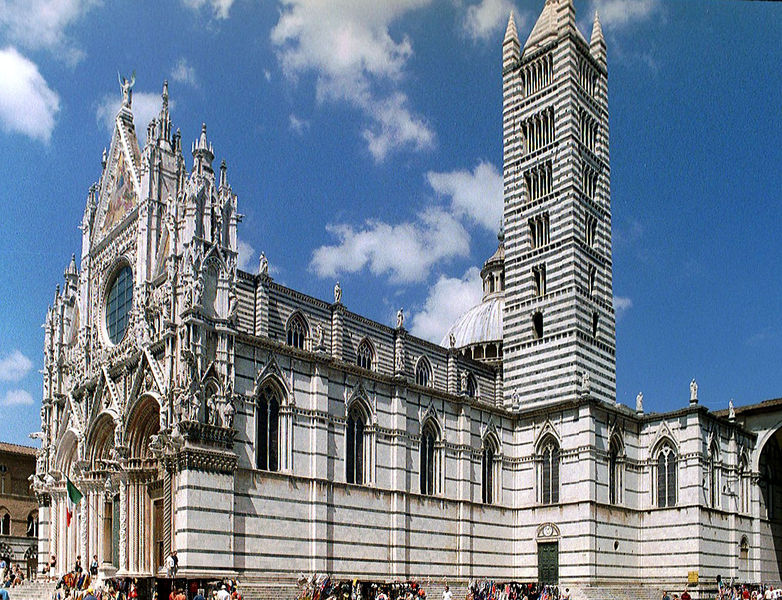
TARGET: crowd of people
(323,587)
(492,590)
(10,575)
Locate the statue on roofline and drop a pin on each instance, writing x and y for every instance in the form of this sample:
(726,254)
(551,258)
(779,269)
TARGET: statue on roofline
(127,88)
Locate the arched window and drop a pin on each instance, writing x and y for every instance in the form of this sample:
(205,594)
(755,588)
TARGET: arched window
(743,483)
(549,471)
(615,472)
(365,355)
(472,386)
(423,372)
(32,524)
(666,476)
(5,524)
(354,437)
(714,477)
(267,429)
(490,471)
(296,331)
(428,457)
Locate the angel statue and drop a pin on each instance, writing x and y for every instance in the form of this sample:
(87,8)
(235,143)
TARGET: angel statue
(127,88)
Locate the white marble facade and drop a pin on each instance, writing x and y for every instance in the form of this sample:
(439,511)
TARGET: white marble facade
(261,432)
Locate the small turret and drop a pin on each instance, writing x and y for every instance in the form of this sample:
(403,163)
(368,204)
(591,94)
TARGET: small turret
(223,177)
(597,44)
(511,50)
(164,119)
(203,154)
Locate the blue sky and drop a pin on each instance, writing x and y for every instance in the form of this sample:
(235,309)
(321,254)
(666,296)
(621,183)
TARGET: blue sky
(364,141)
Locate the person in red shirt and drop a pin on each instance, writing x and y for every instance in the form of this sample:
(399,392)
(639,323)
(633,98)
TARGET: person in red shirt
(686,595)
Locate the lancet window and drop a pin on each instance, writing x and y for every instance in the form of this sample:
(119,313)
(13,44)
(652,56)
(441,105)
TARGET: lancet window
(589,182)
(490,471)
(267,429)
(355,427)
(590,233)
(429,463)
(423,372)
(548,471)
(587,77)
(365,355)
(539,280)
(666,476)
(539,230)
(588,130)
(539,181)
(538,131)
(615,472)
(537,74)
(296,331)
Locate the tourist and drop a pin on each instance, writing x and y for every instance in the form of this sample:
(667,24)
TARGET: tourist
(4,594)
(223,594)
(199,595)
(686,595)
(665,596)
(94,566)
(447,594)
(171,564)
(77,567)
(90,595)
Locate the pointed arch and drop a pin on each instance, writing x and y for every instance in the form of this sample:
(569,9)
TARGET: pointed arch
(142,423)
(365,354)
(272,372)
(743,481)
(616,463)
(67,449)
(430,456)
(548,461)
(100,438)
(548,429)
(424,376)
(297,330)
(491,466)
(665,466)
(713,472)
(664,435)
(269,398)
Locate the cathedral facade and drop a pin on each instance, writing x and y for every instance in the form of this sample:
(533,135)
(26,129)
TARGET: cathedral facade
(261,432)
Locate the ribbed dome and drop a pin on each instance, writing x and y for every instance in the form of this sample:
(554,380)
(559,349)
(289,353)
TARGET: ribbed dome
(480,324)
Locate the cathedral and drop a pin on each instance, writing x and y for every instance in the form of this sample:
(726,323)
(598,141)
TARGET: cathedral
(262,433)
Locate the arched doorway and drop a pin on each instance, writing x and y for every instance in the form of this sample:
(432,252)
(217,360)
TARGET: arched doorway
(143,535)
(770,517)
(104,538)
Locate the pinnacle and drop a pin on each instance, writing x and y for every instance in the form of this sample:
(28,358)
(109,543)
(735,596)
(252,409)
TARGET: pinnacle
(510,32)
(597,31)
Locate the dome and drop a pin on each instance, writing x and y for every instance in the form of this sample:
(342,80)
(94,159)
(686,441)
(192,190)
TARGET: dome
(480,324)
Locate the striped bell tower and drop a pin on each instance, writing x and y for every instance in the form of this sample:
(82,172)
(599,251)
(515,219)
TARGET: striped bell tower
(559,336)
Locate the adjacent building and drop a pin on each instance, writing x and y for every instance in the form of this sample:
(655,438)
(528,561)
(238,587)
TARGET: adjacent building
(18,507)
(262,432)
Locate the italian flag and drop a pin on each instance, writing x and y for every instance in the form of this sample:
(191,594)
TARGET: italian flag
(74,497)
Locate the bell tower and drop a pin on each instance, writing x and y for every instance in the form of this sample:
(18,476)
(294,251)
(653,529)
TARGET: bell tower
(559,336)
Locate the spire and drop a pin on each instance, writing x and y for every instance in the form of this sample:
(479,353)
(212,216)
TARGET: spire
(203,152)
(511,51)
(223,169)
(71,270)
(510,32)
(597,44)
(556,17)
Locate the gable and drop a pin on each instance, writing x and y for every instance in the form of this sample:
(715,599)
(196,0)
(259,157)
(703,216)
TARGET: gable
(120,187)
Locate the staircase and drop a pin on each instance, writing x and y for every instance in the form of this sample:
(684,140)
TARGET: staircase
(630,592)
(33,589)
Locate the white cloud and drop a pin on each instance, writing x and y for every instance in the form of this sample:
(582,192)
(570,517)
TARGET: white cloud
(621,305)
(184,73)
(347,43)
(448,299)
(145,106)
(41,24)
(615,14)
(27,104)
(14,366)
(405,252)
(17,398)
(267,74)
(246,258)
(297,125)
(487,17)
(220,8)
(477,195)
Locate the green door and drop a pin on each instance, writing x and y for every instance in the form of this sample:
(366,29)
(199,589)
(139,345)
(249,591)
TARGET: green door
(548,563)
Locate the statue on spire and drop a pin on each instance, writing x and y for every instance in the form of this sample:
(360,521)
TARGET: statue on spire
(127,88)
